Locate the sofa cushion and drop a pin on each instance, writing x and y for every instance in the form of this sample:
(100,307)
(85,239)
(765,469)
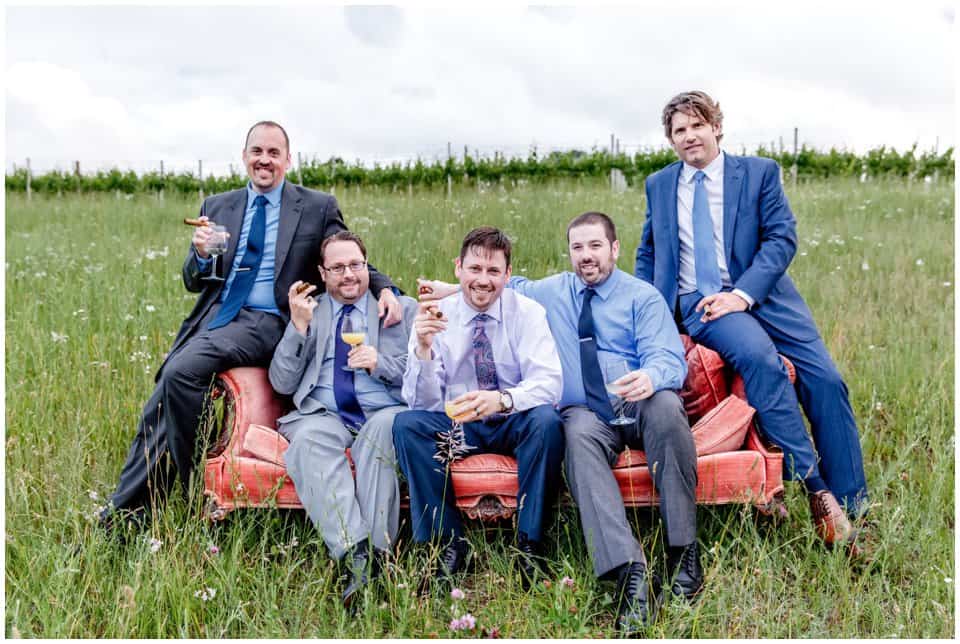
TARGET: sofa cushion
(264,443)
(706,383)
(723,428)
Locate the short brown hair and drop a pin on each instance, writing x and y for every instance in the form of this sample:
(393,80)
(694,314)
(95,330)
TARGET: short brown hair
(694,103)
(286,138)
(489,239)
(343,235)
(593,217)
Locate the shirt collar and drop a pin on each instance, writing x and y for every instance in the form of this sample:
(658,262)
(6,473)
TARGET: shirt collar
(273,197)
(360,305)
(603,289)
(468,313)
(714,170)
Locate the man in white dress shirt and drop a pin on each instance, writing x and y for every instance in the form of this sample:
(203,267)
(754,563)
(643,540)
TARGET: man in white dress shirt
(498,344)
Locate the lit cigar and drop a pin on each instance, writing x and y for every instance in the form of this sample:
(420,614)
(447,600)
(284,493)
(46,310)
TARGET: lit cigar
(196,223)
(303,287)
(706,310)
(437,313)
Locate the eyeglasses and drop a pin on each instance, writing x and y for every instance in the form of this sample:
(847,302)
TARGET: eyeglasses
(355,267)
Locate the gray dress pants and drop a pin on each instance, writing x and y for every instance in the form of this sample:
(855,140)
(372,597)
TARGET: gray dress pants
(592,448)
(346,512)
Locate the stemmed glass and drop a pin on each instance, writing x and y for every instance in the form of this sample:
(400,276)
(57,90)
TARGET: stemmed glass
(353,332)
(612,372)
(216,246)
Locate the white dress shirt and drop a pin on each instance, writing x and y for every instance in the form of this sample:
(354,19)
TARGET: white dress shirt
(528,365)
(685,189)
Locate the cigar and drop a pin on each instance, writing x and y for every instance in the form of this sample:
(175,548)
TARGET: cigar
(196,222)
(303,287)
(437,313)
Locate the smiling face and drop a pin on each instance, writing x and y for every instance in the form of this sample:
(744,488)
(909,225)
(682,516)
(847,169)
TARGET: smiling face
(349,286)
(592,254)
(483,275)
(694,139)
(266,157)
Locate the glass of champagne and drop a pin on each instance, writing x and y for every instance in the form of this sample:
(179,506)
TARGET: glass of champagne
(612,372)
(353,332)
(217,246)
(453,392)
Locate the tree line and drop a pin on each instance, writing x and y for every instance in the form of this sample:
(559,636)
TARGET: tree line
(810,164)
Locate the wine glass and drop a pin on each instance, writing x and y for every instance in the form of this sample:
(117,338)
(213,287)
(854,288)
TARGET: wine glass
(612,372)
(216,246)
(353,332)
(452,392)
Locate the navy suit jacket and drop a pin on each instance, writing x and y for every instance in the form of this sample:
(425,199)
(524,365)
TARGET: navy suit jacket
(759,236)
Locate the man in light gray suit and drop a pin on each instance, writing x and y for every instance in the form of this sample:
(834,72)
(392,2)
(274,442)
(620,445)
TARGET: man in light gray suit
(344,397)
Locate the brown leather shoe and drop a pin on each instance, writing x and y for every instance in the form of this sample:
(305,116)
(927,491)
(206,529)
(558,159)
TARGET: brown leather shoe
(831,521)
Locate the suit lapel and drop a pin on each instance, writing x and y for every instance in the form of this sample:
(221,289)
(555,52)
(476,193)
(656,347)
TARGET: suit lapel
(291,207)
(732,182)
(373,322)
(234,224)
(672,178)
(324,326)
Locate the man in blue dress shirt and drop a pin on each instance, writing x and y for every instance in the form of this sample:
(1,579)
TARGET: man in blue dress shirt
(600,315)
(498,344)
(717,242)
(275,229)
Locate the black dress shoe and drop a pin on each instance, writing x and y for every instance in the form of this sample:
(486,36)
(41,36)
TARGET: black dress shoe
(684,571)
(638,609)
(530,561)
(453,559)
(364,562)
(122,525)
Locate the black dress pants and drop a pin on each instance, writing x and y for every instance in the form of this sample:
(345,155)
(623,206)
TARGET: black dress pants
(164,444)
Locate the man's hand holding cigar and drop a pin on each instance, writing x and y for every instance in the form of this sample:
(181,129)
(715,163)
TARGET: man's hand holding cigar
(202,235)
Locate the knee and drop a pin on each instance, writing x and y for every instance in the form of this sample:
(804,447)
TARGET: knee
(829,381)
(665,421)
(545,422)
(407,427)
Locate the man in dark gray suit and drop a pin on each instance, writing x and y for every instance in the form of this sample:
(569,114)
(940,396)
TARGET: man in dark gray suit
(337,409)
(275,229)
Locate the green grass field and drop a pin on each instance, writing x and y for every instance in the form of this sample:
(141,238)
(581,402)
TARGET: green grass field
(93,298)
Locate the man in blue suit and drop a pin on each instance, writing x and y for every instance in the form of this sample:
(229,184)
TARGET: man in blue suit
(717,242)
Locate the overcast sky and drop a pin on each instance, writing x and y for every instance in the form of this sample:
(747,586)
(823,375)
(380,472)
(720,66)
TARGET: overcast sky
(128,86)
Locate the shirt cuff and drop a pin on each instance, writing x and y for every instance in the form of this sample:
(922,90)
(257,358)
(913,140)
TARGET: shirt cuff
(746,298)
(203,263)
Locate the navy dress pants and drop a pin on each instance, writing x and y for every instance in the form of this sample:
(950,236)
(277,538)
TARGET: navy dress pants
(534,437)
(751,348)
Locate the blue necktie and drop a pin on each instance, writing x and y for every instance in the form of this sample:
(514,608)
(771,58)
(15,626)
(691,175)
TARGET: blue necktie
(344,391)
(483,356)
(704,250)
(246,273)
(597,399)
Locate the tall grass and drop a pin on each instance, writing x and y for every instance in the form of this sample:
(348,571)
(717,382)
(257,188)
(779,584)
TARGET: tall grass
(93,299)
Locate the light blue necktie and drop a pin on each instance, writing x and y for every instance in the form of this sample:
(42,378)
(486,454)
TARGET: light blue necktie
(704,250)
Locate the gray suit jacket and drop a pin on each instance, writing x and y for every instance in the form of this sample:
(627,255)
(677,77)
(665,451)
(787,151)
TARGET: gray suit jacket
(295,367)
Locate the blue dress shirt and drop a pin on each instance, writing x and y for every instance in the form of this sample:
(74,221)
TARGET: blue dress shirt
(261,295)
(632,322)
(371,393)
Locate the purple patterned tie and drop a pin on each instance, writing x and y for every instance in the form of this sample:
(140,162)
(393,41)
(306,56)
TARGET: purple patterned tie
(483,356)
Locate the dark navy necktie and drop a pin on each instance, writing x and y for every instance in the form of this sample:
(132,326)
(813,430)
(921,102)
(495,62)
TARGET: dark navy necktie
(483,356)
(246,273)
(344,391)
(597,399)
(704,250)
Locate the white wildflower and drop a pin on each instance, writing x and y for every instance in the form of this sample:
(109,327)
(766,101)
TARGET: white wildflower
(58,337)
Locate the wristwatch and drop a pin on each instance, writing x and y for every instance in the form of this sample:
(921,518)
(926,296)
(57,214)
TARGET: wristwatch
(506,402)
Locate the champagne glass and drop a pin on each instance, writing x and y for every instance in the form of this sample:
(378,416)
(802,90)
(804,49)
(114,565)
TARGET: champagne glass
(451,393)
(217,246)
(612,372)
(353,332)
